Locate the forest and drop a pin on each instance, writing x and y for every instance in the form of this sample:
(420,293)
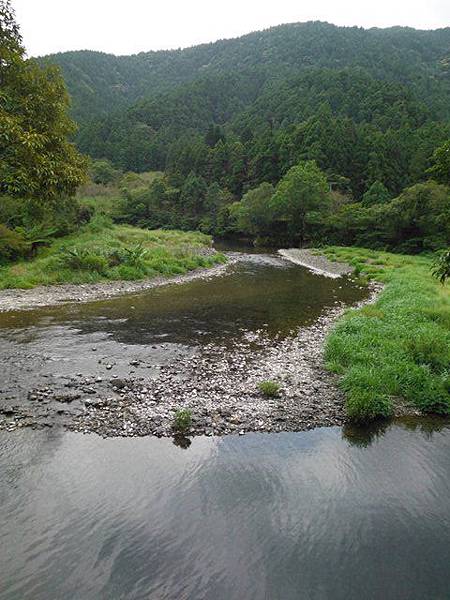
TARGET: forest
(304,134)
(225,124)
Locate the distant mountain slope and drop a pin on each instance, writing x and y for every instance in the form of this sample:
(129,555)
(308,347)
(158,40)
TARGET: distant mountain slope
(102,83)
(367,105)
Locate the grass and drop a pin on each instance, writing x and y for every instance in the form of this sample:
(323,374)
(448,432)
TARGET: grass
(396,350)
(269,388)
(182,420)
(100,251)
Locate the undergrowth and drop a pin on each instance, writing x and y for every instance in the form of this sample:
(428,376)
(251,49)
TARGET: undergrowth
(101,251)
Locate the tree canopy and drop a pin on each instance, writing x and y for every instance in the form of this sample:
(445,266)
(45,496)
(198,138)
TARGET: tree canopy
(36,159)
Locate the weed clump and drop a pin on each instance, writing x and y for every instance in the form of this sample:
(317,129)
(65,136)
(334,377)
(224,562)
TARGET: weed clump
(182,420)
(269,388)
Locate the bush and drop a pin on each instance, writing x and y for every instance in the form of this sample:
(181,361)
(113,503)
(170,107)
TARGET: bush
(182,420)
(271,389)
(135,256)
(13,244)
(99,222)
(83,259)
(441,266)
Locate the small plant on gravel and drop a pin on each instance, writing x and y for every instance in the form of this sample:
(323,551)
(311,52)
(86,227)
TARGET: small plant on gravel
(183,419)
(271,389)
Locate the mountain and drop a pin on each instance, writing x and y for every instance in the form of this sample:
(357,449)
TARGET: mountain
(367,105)
(100,83)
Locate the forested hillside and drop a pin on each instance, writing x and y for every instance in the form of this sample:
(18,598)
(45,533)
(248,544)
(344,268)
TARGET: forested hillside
(370,107)
(101,82)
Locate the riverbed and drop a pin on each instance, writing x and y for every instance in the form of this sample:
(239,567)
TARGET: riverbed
(124,366)
(329,514)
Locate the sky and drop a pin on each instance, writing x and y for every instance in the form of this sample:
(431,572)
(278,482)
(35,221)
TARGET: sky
(127,27)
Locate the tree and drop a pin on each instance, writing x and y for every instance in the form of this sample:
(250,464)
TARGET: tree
(11,49)
(376,194)
(300,196)
(36,159)
(441,266)
(103,171)
(440,169)
(419,219)
(193,193)
(254,213)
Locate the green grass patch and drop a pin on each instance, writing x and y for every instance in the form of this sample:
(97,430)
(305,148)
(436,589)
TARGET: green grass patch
(398,349)
(101,251)
(182,420)
(269,388)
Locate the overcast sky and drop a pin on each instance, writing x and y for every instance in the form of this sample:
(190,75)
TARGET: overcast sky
(130,26)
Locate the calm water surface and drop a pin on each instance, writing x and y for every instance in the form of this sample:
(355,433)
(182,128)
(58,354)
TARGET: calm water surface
(327,514)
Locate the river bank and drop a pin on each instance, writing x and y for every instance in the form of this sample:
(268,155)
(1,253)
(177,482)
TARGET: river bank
(137,389)
(396,352)
(221,390)
(52,295)
(103,261)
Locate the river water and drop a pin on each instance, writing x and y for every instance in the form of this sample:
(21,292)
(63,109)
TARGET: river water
(325,514)
(333,513)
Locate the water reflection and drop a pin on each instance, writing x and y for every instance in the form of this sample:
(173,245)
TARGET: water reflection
(364,436)
(307,515)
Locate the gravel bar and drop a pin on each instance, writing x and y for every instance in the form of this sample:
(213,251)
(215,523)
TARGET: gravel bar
(316,263)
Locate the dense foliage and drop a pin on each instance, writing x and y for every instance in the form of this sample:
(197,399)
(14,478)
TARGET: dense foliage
(39,168)
(102,83)
(227,122)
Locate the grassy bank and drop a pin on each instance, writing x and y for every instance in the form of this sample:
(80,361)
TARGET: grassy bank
(397,350)
(101,251)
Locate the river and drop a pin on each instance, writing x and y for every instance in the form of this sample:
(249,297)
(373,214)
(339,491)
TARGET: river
(331,513)
(55,359)
(324,514)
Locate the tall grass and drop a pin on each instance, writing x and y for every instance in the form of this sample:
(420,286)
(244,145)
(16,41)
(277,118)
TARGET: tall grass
(101,251)
(397,350)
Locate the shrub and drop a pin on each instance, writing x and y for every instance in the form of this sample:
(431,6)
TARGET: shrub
(441,266)
(12,244)
(135,256)
(269,388)
(83,259)
(99,222)
(183,419)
